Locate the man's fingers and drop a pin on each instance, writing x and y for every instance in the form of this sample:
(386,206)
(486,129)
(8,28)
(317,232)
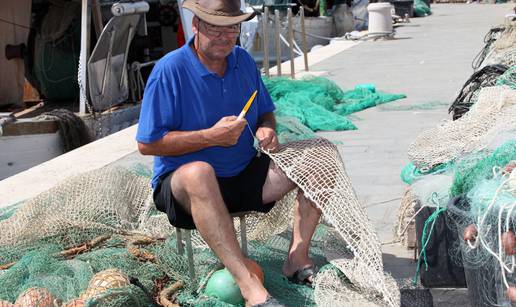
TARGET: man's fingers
(265,142)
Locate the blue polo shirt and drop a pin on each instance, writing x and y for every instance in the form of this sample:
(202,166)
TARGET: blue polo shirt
(182,95)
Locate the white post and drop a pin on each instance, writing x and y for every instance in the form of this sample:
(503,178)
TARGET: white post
(83,57)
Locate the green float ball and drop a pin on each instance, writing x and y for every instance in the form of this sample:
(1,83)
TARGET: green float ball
(222,286)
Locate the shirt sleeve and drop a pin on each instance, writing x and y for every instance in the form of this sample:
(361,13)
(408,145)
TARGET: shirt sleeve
(159,114)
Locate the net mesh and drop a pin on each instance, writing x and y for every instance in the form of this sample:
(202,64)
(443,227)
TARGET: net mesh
(485,215)
(317,103)
(508,78)
(491,36)
(105,219)
(316,167)
(502,50)
(490,118)
(468,95)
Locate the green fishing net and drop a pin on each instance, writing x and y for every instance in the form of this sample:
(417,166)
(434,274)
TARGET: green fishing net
(361,98)
(310,100)
(508,78)
(38,263)
(410,172)
(471,171)
(318,104)
(67,279)
(421,9)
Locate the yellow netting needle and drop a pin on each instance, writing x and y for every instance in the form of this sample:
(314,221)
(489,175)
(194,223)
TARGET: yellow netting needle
(247,105)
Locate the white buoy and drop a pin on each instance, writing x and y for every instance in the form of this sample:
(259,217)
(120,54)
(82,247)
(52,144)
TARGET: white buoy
(380,19)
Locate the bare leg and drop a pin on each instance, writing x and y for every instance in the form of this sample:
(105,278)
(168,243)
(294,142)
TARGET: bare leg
(306,218)
(195,186)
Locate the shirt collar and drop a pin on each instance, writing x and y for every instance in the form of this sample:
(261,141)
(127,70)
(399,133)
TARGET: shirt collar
(199,67)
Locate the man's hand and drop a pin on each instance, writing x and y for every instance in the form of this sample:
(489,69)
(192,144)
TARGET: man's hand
(226,131)
(268,139)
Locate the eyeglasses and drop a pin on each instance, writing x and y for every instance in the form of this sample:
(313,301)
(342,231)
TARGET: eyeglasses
(217,31)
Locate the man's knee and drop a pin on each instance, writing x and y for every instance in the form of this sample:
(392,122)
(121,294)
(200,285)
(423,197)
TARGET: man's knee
(194,175)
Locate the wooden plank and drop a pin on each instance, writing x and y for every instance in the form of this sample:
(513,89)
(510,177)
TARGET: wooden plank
(29,127)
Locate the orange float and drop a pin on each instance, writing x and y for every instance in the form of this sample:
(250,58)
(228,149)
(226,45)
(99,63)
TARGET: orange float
(35,297)
(6,304)
(509,243)
(255,269)
(511,294)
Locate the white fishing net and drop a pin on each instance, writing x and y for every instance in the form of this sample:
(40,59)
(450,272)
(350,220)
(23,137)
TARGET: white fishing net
(503,50)
(405,227)
(317,168)
(492,115)
(484,218)
(104,201)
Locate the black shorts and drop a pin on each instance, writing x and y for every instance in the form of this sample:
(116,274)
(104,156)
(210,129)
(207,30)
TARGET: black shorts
(241,193)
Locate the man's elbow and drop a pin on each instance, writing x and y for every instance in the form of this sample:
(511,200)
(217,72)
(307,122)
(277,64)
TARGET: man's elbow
(144,149)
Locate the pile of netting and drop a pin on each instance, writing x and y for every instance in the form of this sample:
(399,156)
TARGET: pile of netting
(484,218)
(502,50)
(508,78)
(476,195)
(496,61)
(491,117)
(96,239)
(421,9)
(468,95)
(491,36)
(317,103)
(462,181)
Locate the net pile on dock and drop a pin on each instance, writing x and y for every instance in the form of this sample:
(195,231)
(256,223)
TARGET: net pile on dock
(464,171)
(317,103)
(105,219)
(490,118)
(503,50)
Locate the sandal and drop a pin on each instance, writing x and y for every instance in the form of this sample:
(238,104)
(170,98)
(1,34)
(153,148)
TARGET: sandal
(301,276)
(269,302)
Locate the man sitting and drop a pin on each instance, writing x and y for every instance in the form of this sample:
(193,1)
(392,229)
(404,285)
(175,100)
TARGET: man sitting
(206,166)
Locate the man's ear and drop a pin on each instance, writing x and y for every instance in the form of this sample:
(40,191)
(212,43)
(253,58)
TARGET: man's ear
(195,24)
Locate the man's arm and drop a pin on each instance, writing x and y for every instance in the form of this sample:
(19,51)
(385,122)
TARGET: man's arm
(224,133)
(266,133)
(267,120)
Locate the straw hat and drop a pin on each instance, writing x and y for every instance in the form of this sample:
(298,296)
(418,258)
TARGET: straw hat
(218,12)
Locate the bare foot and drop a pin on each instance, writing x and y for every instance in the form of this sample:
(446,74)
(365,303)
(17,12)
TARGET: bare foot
(253,291)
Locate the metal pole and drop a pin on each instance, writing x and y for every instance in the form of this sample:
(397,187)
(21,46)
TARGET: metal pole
(107,68)
(277,26)
(83,57)
(291,43)
(97,18)
(126,53)
(265,31)
(303,36)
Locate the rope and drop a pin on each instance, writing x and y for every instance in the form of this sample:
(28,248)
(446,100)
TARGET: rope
(489,39)
(467,96)
(15,24)
(431,219)
(72,130)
